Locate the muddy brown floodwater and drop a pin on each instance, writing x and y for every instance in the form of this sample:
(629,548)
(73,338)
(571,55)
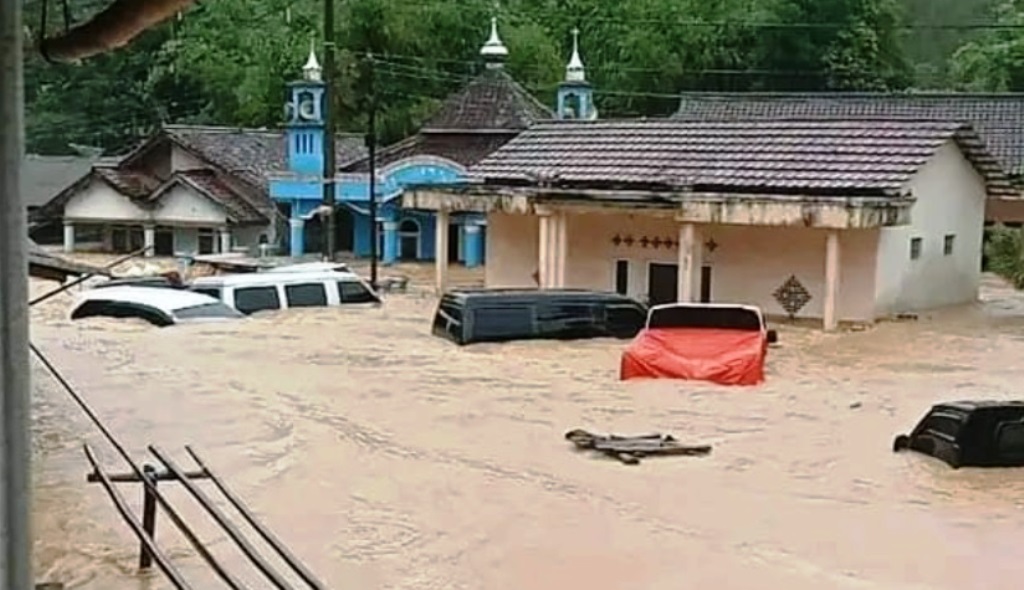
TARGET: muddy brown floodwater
(387,458)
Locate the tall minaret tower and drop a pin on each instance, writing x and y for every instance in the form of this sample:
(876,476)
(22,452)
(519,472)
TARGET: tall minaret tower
(575,95)
(304,120)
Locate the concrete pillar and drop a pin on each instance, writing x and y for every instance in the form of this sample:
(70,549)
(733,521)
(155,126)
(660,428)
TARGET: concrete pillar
(474,245)
(830,315)
(544,253)
(297,246)
(390,253)
(561,249)
(149,239)
(689,256)
(225,240)
(69,237)
(441,251)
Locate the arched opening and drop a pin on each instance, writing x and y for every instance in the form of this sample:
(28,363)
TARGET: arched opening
(571,106)
(408,239)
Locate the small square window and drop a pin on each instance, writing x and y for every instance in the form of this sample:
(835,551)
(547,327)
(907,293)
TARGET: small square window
(915,248)
(947,244)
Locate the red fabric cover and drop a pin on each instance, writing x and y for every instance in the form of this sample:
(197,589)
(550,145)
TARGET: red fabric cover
(728,357)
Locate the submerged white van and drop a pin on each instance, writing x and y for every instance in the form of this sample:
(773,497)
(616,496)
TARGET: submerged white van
(253,292)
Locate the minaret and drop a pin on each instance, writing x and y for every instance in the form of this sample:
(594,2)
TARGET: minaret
(575,95)
(494,51)
(304,115)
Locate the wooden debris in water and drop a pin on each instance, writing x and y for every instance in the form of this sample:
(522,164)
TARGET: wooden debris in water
(630,449)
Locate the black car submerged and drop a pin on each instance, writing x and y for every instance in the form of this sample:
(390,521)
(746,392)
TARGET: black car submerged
(493,315)
(970,434)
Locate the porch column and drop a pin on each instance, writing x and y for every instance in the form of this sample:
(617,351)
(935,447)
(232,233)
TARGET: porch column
(390,253)
(830,316)
(297,245)
(474,245)
(441,250)
(561,249)
(69,236)
(689,259)
(544,250)
(225,240)
(149,239)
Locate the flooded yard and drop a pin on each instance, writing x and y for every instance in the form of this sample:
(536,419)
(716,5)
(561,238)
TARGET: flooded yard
(387,458)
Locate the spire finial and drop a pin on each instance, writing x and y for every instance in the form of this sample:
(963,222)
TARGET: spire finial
(311,71)
(494,51)
(574,71)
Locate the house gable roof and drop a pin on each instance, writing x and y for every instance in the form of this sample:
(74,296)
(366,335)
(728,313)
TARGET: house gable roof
(42,177)
(205,182)
(997,118)
(798,157)
(491,102)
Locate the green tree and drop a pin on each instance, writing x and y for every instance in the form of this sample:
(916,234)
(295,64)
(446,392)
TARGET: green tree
(995,61)
(1005,253)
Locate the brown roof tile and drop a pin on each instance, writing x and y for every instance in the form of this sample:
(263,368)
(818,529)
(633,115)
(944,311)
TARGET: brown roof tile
(998,118)
(780,156)
(463,148)
(130,183)
(491,101)
(238,208)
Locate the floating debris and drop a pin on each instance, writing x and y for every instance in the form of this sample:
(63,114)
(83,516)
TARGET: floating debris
(630,449)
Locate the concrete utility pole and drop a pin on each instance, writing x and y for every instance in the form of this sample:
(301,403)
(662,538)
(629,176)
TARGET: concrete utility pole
(15,450)
(329,134)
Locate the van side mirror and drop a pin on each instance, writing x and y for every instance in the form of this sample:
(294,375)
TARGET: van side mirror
(773,336)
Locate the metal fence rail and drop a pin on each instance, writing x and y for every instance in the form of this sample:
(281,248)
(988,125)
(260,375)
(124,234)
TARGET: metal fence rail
(145,530)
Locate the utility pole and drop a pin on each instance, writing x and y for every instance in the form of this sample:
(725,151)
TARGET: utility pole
(15,449)
(371,147)
(329,133)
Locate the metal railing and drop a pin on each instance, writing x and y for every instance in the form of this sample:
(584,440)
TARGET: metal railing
(149,476)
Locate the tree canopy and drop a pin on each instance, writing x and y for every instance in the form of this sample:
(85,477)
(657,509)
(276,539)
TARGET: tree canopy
(227,62)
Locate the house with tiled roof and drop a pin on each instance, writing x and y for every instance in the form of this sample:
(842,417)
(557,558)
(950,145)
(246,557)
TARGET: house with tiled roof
(185,190)
(488,112)
(997,118)
(839,220)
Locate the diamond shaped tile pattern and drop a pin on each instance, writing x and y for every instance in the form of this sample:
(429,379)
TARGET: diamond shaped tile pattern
(792,296)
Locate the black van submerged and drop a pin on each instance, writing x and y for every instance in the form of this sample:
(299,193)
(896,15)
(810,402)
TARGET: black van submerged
(495,315)
(970,434)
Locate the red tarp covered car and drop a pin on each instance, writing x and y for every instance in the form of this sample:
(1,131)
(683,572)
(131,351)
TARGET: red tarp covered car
(724,344)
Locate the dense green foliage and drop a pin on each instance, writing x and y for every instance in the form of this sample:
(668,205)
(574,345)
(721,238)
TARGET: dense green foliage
(226,61)
(1005,253)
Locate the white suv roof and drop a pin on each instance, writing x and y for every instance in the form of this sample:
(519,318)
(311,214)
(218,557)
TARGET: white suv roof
(168,300)
(273,278)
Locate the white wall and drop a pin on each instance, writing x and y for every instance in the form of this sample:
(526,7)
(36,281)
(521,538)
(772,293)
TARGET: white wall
(182,205)
(182,160)
(950,201)
(748,265)
(99,201)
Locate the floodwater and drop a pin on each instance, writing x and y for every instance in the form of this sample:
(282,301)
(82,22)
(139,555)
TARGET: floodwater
(387,458)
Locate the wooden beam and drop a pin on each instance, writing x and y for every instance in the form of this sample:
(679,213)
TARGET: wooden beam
(113,27)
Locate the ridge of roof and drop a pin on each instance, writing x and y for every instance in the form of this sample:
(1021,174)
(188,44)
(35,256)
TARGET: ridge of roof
(791,157)
(491,101)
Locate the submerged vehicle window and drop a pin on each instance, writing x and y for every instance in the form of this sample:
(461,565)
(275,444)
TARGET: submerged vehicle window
(306,295)
(211,291)
(207,310)
(1010,439)
(355,292)
(121,309)
(253,299)
(447,312)
(501,322)
(942,423)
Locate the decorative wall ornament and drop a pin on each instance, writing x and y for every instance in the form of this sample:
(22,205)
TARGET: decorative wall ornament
(655,242)
(711,245)
(792,296)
